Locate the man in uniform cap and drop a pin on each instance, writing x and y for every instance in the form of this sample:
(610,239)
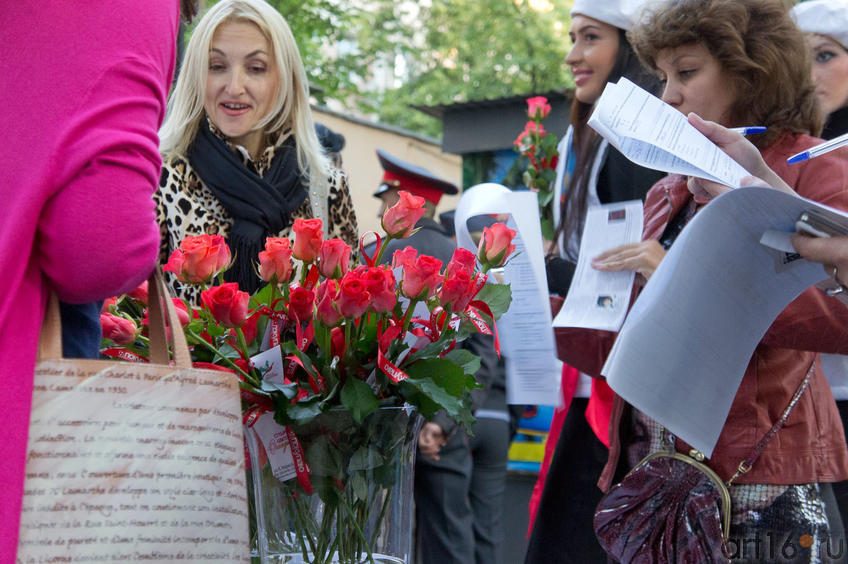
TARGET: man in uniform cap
(431,239)
(458,497)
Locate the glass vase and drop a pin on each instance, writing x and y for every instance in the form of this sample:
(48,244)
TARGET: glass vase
(361,480)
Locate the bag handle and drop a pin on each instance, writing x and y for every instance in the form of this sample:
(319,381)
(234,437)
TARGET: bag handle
(50,339)
(746,464)
(158,296)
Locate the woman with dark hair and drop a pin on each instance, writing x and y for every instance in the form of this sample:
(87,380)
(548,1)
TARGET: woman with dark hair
(738,63)
(590,173)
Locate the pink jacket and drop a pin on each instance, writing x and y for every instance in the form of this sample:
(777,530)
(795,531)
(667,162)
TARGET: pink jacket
(83,94)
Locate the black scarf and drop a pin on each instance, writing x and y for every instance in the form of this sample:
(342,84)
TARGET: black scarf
(260,206)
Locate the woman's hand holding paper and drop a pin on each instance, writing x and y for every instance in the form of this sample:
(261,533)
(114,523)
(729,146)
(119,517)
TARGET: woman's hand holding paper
(739,149)
(643,257)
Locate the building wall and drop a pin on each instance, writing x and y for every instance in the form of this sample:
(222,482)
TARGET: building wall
(359,159)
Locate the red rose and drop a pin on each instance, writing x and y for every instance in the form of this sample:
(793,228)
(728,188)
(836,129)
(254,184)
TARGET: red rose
(538,107)
(307,239)
(533,128)
(140,293)
(337,342)
(119,329)
(462,260)
(353,297)
(199,258)
(301,302)
(380,283)
(421,277)
(333,258)
(226,303)
(400,219)
(327,312)
(495,245)
(402,257)
(108,303)
(275,260)
(457,291)
(182,311)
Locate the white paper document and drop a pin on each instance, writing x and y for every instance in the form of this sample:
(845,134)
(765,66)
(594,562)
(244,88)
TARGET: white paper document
(652,134)
(527,342)
(689,337)
(598,299)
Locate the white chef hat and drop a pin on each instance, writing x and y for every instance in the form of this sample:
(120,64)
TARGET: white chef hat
(618,13)
(825,17)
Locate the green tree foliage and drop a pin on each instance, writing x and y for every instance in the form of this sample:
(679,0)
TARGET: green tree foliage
(481,49)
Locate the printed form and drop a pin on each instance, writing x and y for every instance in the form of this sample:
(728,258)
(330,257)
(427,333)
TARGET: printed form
(527,341)
(597,299)
(651,133)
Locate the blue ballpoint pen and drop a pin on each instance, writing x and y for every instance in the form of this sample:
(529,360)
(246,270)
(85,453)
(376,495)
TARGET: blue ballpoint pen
(751,130)
(820,149)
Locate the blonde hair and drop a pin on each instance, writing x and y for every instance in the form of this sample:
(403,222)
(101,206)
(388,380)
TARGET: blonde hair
(289,115)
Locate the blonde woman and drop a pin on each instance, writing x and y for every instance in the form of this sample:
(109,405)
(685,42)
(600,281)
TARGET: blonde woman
(241,157)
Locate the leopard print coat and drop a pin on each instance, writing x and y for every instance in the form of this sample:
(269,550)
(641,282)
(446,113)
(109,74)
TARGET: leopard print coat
(185,206)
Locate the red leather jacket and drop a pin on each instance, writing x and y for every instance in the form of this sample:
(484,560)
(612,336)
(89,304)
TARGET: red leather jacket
(811,446)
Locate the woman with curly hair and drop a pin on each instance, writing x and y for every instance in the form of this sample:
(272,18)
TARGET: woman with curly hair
(740,63)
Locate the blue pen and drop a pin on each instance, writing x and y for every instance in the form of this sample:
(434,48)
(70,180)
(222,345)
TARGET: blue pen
(751,130)
(819,149)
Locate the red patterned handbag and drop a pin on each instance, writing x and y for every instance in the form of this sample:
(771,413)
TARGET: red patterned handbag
(672,508)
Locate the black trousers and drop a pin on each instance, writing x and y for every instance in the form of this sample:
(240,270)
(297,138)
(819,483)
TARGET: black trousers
(563,532)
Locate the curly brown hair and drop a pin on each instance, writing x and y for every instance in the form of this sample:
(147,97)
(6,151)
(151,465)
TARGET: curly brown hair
(759,48)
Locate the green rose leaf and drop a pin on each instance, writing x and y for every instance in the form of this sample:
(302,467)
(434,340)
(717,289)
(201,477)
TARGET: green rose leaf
(303,411)
(498,296)
(359,398)
(323,457)
(465,359)
(288,390)
(435,384)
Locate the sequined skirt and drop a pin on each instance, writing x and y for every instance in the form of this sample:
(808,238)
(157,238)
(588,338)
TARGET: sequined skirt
(769,523)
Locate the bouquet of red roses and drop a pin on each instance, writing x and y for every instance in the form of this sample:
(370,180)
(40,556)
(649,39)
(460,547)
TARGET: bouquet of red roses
(323,347)
(540,149)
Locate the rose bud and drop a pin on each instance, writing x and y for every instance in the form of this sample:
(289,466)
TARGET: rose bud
(275,260)
(140,293)
(118,329)
(327,312)
(301,302)
(108,303)
(400,219)
(380,283)
(456,291)
(495,245)
(353,297)
(462,260)
(226,303)
(337,342)
(307,239)
(333,258)
(538,107)
(422,277)
(199,259)
(404,256)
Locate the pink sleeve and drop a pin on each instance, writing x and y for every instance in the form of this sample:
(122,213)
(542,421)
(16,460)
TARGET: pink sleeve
(97,235)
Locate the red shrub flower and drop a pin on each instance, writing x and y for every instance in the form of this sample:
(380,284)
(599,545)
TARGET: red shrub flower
(307,239)
(227,304)
(275,260)
(400,219)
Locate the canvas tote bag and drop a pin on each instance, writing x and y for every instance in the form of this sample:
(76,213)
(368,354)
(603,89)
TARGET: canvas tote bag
(133,461)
